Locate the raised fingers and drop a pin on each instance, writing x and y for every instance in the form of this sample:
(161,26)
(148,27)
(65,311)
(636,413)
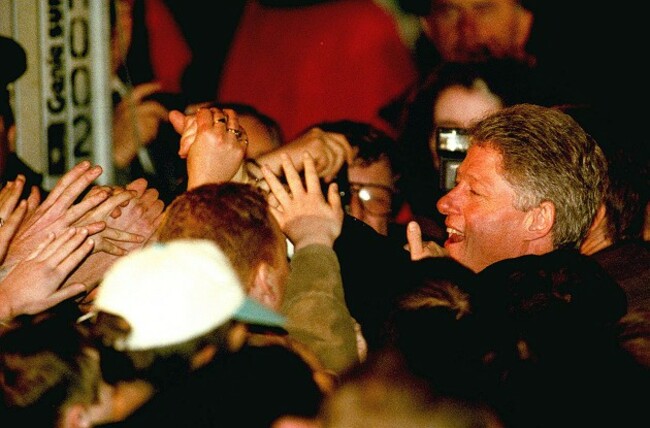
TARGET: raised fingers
(414,240)
(122,235)
(9,196)
(177,119)
(334,197)
(233,119)
(120,199)
(77,211)
(311,176)
(418,248)
(277,189)
(188,135)
(139,185)
(204,119)
(57,249)
(72,184)
(10,227)
(67,251)
(291,174)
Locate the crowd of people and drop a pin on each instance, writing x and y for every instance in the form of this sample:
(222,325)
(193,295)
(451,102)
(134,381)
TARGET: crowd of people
(458,249)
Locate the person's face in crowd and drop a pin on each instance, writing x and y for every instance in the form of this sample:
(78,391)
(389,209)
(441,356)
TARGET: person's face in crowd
(472,30)
(482,222)
(458,107)
(371,193)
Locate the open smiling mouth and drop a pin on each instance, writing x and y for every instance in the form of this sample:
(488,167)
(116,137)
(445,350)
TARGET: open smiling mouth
(454,235)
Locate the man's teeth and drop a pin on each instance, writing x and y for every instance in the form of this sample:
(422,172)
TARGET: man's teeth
(453,231)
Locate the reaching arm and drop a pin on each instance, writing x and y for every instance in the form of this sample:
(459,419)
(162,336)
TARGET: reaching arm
(329,150)
(57,212)
(214,145)
(314,302)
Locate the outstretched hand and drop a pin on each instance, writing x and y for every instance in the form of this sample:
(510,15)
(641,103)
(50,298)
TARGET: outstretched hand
(12,212)
(57,212)
(329,150)
(110,240)
(302,211)
(141,216)
(34,284)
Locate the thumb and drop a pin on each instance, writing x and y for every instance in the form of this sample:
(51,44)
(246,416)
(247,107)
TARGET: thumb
(414,238)
(177,119)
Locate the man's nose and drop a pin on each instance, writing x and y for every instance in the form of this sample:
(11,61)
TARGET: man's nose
(447,204)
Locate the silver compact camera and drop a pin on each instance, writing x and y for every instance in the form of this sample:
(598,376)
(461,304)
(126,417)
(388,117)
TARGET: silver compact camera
(451,145)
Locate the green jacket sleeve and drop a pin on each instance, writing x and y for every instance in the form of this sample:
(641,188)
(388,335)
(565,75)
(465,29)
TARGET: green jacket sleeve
(314,305)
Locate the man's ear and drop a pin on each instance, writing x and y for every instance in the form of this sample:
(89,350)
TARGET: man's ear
(540,220)
(263,287)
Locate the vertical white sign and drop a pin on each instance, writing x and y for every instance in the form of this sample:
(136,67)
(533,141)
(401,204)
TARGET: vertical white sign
(68,58)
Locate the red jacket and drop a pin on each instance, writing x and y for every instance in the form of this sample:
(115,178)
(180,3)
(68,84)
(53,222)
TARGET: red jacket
(330,61)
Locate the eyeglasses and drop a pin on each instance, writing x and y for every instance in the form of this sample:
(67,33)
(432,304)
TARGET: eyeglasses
(376,199)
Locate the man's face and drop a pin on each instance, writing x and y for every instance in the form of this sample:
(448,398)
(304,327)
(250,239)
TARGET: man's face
(472,30)
(371,194)
(482,222)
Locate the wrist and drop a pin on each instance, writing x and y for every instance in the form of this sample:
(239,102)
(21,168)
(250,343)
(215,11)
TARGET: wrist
(313,240)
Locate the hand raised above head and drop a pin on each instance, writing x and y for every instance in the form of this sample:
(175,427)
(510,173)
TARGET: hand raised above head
(329,150)
(213,143)
(302,211)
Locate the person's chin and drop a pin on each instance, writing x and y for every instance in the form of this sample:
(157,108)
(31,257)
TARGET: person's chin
(454,250)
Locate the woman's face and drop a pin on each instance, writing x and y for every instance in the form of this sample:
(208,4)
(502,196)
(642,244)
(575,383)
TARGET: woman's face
(458,107)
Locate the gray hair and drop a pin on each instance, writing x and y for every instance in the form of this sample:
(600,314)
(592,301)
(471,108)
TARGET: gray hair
(547,156)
